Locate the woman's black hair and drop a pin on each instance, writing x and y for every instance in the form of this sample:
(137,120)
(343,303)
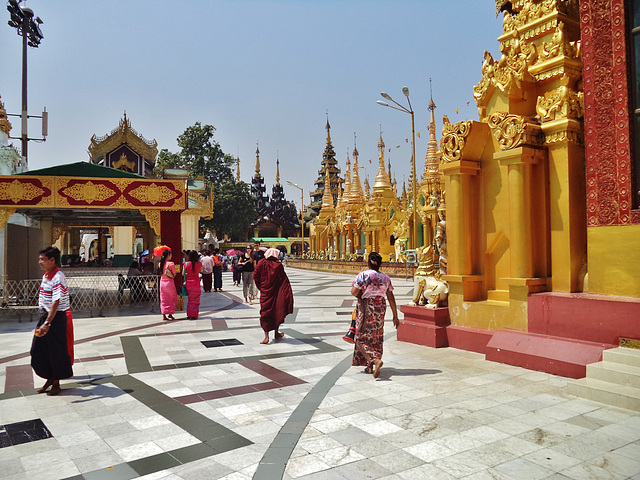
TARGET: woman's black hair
(51,252)
(374,261)
(193,258)
(165,254)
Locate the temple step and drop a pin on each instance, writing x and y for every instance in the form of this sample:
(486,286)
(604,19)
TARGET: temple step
(614,381)
(546,353)
(498,295)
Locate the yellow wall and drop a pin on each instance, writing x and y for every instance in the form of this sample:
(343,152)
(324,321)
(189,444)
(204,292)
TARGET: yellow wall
(614,260)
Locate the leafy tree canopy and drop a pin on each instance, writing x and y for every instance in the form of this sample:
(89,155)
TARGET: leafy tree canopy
(201,154)
(233,209)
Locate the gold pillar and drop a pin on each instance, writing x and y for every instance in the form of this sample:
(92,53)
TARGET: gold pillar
(519,161)
(567,191)
(459,198)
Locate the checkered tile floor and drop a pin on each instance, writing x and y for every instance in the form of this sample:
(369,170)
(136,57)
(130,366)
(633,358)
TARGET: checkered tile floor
(202,399)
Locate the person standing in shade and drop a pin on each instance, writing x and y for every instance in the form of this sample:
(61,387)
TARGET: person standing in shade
(207,271)
(276,295)
(192,282)
(50,349)
(370,288)
(247,264)
(168,293)
(218,263)
(236,269)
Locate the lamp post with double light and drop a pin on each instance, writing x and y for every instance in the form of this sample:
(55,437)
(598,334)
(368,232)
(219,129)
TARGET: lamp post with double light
(414,230)
(301,213)
(22,19)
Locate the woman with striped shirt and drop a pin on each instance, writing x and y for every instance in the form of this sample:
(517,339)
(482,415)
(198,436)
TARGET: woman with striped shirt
(49,353)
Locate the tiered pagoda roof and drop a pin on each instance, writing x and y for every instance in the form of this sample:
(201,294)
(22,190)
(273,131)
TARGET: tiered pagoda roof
(329,167)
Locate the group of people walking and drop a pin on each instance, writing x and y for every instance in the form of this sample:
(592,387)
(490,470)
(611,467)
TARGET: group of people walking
(52,345)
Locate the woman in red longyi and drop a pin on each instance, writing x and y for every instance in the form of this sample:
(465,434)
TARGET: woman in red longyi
(276,296)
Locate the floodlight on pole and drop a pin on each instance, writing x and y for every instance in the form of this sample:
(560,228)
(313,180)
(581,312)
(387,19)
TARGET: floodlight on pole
(402,108)
(22,19)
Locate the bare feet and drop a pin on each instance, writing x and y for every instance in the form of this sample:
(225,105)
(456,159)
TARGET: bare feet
(265,341)
(368,370)
(55,390)
(45,386)
(279,335)
(377,364)
(164,317)
(170,317)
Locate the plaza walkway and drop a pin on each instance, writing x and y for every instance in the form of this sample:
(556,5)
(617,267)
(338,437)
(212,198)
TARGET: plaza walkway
(204,400)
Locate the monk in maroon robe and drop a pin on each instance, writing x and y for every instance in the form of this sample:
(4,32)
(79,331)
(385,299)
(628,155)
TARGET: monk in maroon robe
(276,296)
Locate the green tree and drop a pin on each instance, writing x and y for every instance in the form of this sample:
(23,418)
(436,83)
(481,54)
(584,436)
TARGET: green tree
(233,210)
(201,155)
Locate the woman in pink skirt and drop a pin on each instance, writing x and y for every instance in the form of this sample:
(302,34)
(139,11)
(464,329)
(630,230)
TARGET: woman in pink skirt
(168,293)
(192,270)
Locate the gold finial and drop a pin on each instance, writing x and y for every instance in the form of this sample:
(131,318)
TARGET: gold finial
(327,198)
(5,125)
(238,170)
(257,161)
(277,171)
(382,180)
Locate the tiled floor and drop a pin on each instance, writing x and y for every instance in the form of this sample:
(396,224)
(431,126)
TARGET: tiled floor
(202,399)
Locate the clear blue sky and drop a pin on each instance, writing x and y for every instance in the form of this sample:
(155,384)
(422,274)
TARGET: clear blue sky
(259,71)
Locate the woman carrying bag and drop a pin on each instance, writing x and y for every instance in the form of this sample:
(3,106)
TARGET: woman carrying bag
(370,288)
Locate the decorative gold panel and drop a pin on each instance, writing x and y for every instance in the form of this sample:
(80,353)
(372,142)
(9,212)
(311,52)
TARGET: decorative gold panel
(18,191)
(454,138)
(153,217)
(5,213)
(513,130)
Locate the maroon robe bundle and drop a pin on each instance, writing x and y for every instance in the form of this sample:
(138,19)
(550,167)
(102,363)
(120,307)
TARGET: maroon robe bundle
(276,296)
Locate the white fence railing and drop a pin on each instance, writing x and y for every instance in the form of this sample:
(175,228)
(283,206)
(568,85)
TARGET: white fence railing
(89,292)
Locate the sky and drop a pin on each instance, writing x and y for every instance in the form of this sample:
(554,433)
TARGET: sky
(264,73)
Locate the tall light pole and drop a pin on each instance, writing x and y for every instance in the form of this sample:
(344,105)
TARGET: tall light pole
(414,230)
(301,213)
(22,20)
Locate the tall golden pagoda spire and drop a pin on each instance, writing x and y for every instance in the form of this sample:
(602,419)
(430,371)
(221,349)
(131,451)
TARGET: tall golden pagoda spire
(356,188)
(382,180)
(347,180)
(277,171)
(238,170)
(327,198)
(257,174)
(432,162)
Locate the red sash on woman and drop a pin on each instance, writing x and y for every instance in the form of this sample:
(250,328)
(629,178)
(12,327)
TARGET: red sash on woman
(70,335)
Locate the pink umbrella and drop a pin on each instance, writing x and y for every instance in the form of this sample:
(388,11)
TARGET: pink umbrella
(231,251)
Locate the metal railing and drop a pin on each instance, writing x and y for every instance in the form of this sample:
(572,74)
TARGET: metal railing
(91,292)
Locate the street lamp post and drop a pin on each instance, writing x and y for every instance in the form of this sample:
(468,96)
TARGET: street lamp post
(414,230)
(23,21)
(301,213)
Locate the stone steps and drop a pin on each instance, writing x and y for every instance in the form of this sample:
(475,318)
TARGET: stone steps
(614,381)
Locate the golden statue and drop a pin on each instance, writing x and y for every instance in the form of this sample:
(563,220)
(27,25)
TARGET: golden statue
(425,257)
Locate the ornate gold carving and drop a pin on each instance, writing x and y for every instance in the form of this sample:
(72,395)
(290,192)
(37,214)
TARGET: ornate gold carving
(124,134)
(562,102)
(124,163)
(528,11)
(89,192)
(17,191)
(153,193)
(5,125)
(202,206)
(454,138)
(513,130)
(153,217)
(56,232)
(629,343)
(5,213)
(559,47)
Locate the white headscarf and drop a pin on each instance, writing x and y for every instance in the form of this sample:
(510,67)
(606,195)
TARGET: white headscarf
(272,252)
